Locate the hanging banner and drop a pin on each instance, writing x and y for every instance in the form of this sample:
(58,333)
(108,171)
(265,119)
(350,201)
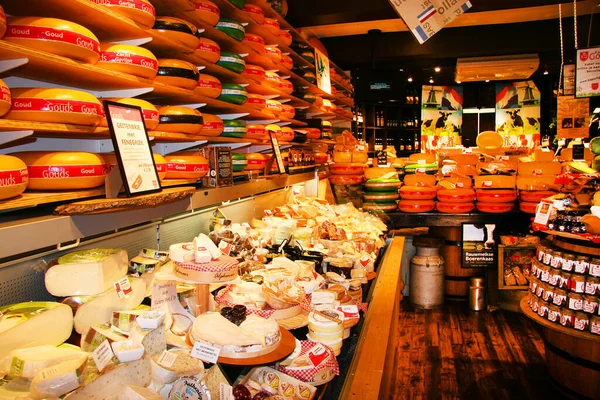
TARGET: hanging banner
(587,72)
(323,76)
(518,114)
(425,18)
(572,117)
(441,116)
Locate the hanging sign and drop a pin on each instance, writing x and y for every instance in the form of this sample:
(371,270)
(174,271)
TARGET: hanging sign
(572,117)
(425,18)
(587,72)
(569,80)
(478,246)
(323,76)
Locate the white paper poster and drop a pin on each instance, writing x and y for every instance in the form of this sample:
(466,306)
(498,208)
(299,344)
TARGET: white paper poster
(323,77)
(587,74)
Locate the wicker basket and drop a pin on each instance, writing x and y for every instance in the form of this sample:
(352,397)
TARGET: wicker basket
(275,302)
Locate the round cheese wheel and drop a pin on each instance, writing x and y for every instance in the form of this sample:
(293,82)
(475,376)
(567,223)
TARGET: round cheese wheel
(327,127)
(159,161)
(256,161)
(65,106)
(149,112)
(311,78)
(420,180)
(207,11)
(346,179)
(233,128)
(3,22)
(285,37)
(208,86)
(5,98)
(272,26)
(383,185)
(186,165)
(385,207)
(208,49)
(378,172)
(255,12)
(320,158)
(454,208)
(274,130)
(55,36)
(256,131)
(63,170)
(309,98)
(286,86)
(273,53)
(347,169)
(233,93)
(273,106)
(272,79)
(254,41)
(459,182)
(416,206)
(178,30)
(177,73)
(313,133)
(213,125)
(421,158)
(417,193)
(256,101)
(308,56)
(528,207)
(133,60)
(456,195)
(180,119)
(496,195)
(535,196)
(287,134)
(494,207)
(287,111)
(139,11)
(381,197)
(232,61)
(430,169)
(286,61)
(231,28)
(239,162)
(14,177)
(255,72)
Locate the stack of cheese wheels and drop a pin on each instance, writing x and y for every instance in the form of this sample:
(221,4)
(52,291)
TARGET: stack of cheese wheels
(14,177)
(233,93)
(177,30)
(180,119)
(272,26)
(418,193)
(254,41)
(381,193)
(256,101)
(254,72)
(139,11)
(327,327)
(5,98)
(257,131)
(286,62)
(212,125)
(273,53)
(239,162)
(255,12)
(159,161)
(63,170)
(534,177)
(234,129)
(133,60)
(149,112)
(208,49)
(256,161)
(231,28)
(456,181)
(529,199)
(55,36)
(186,165)
(208,86)
(455,201)
(286,37)
(345,174)
(232,61)
(178,73)
(207,11)
(495,193)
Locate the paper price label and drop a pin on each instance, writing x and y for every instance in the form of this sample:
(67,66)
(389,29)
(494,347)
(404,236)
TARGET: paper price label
(422,161)
(167,359)
(364,261)
(542,215)
(350,312)
(317,355)
(502,158)
(123,287)
(225,392)
(205,353)
(268,213)
(246,225)
(467,150)
(225,247)
(102,355)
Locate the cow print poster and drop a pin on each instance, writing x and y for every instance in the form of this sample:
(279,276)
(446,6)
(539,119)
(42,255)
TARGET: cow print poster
(518,114)
(441,116)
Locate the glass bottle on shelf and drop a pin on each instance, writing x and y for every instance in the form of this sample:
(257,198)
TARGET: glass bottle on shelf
(416,142)
(402,144)
(409,144)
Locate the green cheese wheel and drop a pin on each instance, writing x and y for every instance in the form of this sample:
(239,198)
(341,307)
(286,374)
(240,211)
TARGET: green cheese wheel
(239,162)
(233,128)
(232,61)
(310,98)
(310,77)
(429,169)
(308,56)
(595,145)
(381,197)
(233,93)
(238,3)
(378,207)
(231,28)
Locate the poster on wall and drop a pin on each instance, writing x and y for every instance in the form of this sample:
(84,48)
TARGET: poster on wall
(572,117)
(587,72)
(323,76)
(518,114)
(478,246)
(441,116)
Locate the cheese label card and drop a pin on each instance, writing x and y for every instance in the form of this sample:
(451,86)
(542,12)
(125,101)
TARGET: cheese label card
(467,150)
(102,355)
(268,213)
(167,359)
(502,158)
(543,213)
(364,261)
(225,247)
(317,354)
(123,287)
(205,353)
(350,312)
(246,225)
(225,392)
(164,298)
(422,162)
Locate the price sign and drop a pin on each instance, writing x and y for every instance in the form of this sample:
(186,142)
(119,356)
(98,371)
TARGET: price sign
(205,353)
(277,152)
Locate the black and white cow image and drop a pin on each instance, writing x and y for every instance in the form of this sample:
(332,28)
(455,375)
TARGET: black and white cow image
(427,123)
(517,121)
(533,122)
(441,121)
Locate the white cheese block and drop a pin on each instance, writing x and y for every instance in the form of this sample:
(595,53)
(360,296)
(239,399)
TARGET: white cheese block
(323,296)
(133,392)
(86,272)
(182,252)
(27,362)
(183,365)
(57,380)
(154,341)
(98,334)
(14,389)
(98,310)
(204,241)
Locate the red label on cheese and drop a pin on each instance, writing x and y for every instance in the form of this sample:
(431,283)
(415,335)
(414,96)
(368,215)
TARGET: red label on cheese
(150,115)
(66,171)
(208,47)
(253,9)
(285,34)
(255,100)
(252,71)
(273,50)
(254,38)
(209,84)
(5,94)
(213,125)
(128,58)
(134,4)
(271,22)
(52,34)
(187,167)
(208,7)
(162,167)
(256,162)
(13,177)
(56,105)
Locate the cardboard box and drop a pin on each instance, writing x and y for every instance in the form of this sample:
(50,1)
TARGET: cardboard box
(220,168)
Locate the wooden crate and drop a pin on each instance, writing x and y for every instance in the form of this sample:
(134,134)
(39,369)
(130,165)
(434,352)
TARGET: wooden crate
(503,253)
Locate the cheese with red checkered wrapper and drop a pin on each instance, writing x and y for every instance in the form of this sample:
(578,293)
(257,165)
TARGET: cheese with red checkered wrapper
(223,269)
(316,364)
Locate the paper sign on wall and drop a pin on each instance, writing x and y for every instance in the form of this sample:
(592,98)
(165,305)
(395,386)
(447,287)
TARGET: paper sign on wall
(572,117)
(425,18)
(323,76)
(587,75)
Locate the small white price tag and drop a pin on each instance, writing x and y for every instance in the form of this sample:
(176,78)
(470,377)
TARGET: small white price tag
(102,355)
(502,158)
(167,359)
(225,247)
(205,353)
(542,214)
(558,204)
(467,150)
(350,312)
(225,392)
(123,287)
(297,190)
(422,161)
(317,354)
(364,260)
(246,225)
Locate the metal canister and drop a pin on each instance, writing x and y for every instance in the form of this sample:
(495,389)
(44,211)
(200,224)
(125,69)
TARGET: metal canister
(427,274)
(477,294)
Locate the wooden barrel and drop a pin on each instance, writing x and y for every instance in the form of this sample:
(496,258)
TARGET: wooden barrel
(456,278)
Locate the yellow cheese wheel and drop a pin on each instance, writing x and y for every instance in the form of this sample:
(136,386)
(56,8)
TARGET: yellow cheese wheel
(539,168)
(149,112)
(133,60)
(272,26)
(63,170)
(65,106)
(273,53)
(274,130)
(543,155)
(14,177)
(140,11)
(286,86)
(454,208)
(257,131)
(489,140)
(416,206)
(287,111)
(178,30)
(2,22)
(255,12)
(285,37)
(378,172)
(497,195)
(286,135)
(55,36)
(208,49)
(254,72)
(207,11)
(286,61)
(465,159)
(494,208)
(256,161)
(186,165)
(425,158)
(178,73)
(273,106)
(420,180)
(456,182)
(5,98)
(254,41)
(208,86)
(180,119)
(495,182)
(272,79)
(417,193)
(159,161)
(213,125)
(456,195)
(313,133)
(347,169)
(256,101)
(538,182)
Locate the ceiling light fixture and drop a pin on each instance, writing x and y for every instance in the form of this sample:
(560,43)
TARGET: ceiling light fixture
(430,80)
(546,72)
(459,82)
(410,79)
(487,81)
(437,69)
(401,70)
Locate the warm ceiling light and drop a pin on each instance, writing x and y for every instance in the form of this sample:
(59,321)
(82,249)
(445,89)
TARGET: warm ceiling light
(487,81)
(430,80)
(437,69)
(409,79)
(546,72)
(401,69)
(459,82)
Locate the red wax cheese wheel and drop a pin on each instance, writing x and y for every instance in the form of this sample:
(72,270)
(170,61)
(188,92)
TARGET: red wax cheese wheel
(320,158)
(256,161)
(494,207)
(256,131)
(149,112)
(528,207)
(55,36)
(178,30)
(416,206)
(454,208)
(256,101)
(140,11)
(209,50)
(186,165)
(535,196)
(273,106)
(5,98)
(417,193)
(272,26)
(347,169)
(456,195)
(177,73)
(64,106)
(133,60)
(273,53)
(286,61)
(254,41)
(208,86)
(213,125)
(272,79)
(255,12)
(346,179)
(180,119)
(63,170)
(2,22)
(286,135)
(255,72)
(207,11)
(14,177)
(312,133)
(159,161)
(286,37)
(496,196)
(286,86)
(287,111)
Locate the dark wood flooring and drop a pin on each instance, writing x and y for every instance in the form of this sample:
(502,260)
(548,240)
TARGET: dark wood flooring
(454,353)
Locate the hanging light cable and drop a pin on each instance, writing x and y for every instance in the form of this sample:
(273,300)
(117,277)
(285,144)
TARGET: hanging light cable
(562,53)
(575,22)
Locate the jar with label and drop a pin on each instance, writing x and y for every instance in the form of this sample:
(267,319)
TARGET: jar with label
(582,265)
(554,313)
(577,283)
(543,309)
(565,280)
(590,304)
(566,317)
(535,304)
(533,283)
(595,267)
(575,301)
(539,291)
(548,257)
(548,293)
(534,268)
(541,252)
(557,260)
(554,277)
(560,297)
(545,274)
(568,262)
(595,325)
(592,286)
(581,321)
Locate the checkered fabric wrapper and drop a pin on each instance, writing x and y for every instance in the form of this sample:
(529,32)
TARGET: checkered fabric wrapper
(223,300)
(223,263)
(307,375)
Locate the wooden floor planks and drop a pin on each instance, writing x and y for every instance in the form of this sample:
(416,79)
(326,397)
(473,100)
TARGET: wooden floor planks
(454,353)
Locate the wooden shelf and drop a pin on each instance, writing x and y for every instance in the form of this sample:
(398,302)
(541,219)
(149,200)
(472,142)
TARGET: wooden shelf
(33,199)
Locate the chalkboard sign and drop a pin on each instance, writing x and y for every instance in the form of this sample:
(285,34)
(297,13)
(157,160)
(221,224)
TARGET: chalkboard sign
(578,152)
(381,157)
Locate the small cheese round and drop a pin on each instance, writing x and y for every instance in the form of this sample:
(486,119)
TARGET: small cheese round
(213,125)
(233,128)
(208,49)
(208,86)
(186,165)
(5,98)
(286,37)
(273,106)
(272,26)
(287,62)
(139,11)
(231,28)
(286,86)
(232,61)
(14,177)
(254,41)
(254,72)
(255,12)
(273,53)
(274,130)
(256,101)
(178,30)
(256,131)
(3,22)
(272,79)
(180,119)
(256,161)
(233,93)
(133,60)
(207,11)
(177,73)
(287,134)
(288,111)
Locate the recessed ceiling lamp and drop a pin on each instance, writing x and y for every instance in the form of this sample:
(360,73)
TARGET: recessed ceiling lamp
(430,80)
(459,82)
(401,70)
(546,72)
(437,69)
(487,81)
(410,79)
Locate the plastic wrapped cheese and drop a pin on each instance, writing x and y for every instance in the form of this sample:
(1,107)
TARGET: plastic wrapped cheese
(54,381)
(27,362)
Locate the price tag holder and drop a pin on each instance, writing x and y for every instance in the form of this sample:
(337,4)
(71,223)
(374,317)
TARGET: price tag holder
(206,353)
(317,355)
(381,157)
(225,247)
(225,392)
(578,152)
(123,287)
(102,355)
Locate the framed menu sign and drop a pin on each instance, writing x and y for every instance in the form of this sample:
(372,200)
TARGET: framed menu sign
(132,148)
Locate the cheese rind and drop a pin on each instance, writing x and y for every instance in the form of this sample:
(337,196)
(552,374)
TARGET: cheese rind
(27,362)
(133,392)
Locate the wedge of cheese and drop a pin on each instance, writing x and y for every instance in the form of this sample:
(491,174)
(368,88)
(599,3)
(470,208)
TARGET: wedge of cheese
(27,362)
(543,155)
(154,341)
(98,334)
(58,379)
